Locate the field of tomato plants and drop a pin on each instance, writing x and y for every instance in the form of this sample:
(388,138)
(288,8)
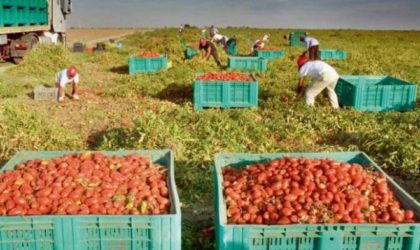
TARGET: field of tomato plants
(154,111)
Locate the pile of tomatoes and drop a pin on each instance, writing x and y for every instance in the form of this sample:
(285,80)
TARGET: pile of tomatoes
(148,54)
(309,191)
(87,183)
(225,76)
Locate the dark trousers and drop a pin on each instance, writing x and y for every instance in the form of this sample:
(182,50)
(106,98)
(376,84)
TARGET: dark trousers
(215,57)
(314,53)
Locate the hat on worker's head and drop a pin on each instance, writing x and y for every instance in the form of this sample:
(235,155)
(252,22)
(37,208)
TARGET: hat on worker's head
(302,38)
(71,71)
(301,61)
(203,41)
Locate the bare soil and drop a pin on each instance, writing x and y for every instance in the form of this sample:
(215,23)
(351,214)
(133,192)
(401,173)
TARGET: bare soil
(92,35)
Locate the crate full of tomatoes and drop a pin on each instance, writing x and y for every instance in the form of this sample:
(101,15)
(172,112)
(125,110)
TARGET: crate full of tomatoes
(311,201)
(90,200)
(147,62)
(225,90)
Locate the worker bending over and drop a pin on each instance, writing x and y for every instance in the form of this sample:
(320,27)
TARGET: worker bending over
(323,77)
(209,50)
(64,77)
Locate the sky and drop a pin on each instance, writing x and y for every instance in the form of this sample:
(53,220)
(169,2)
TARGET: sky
(310,14)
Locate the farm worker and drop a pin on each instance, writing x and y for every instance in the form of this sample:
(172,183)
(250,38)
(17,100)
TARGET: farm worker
(64,77)
(287,37)
(312,46)
(323,77)
(209,50)
(213,31)
(223,40)
(181,28)
(259,44)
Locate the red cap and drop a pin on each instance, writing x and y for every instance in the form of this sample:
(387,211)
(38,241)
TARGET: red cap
(301,61)
(302,38)
(203,41)
(71,71)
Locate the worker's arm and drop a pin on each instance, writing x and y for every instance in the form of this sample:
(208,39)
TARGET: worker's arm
(300,87)
(60,93)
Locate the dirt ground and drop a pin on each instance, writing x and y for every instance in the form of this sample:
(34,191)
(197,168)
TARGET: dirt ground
(97,35)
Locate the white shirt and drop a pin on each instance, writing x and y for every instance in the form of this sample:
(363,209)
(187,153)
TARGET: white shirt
(219,38)
(257,45)
(265,38)
(315,69)
(310,41)
(62,78)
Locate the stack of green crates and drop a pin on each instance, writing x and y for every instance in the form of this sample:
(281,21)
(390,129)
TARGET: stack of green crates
(269,54)
(326,54)
(101,232)
(138,65)
(312,236)
(225,94)
(247,63)
(376,93)
(20,13)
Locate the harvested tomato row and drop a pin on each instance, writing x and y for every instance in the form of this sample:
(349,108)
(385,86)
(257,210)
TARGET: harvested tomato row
(308,191)
(225,76)
(147,54)
(88,183)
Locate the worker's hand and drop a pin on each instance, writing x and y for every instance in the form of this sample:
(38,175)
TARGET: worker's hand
(299,90)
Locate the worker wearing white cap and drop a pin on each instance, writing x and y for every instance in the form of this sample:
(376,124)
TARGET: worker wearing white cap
(323,77)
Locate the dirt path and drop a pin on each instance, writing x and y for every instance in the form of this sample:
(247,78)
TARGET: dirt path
(92,36)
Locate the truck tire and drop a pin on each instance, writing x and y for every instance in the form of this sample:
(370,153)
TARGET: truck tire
(31,40)
(17,60)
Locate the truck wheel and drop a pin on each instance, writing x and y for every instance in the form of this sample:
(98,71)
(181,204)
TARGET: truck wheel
(17,60)
(32,41)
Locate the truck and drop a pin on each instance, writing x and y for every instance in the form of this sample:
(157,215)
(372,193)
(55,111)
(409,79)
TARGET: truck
(27,23)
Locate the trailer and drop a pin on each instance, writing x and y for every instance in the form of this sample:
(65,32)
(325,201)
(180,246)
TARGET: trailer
(26,23)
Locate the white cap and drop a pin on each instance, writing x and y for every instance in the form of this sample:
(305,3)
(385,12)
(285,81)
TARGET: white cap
(266,37)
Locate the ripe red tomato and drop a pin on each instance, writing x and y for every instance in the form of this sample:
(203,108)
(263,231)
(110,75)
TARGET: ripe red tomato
(84,184)
(299,190)
(225,76)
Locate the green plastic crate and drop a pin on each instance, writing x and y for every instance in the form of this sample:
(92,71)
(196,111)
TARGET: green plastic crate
(88,232)
(232,50)
(376,93)
(225,94)
(23,12)
(294,39)
(8,14)
(316,236)
(247,63)
(269,54)
(138,65)
(333,54)
(22,16)
(190,53)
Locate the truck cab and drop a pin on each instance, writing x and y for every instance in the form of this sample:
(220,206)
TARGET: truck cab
(26,23)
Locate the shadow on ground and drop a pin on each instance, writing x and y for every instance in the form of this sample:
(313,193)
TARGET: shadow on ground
(177,93)
(122,70)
